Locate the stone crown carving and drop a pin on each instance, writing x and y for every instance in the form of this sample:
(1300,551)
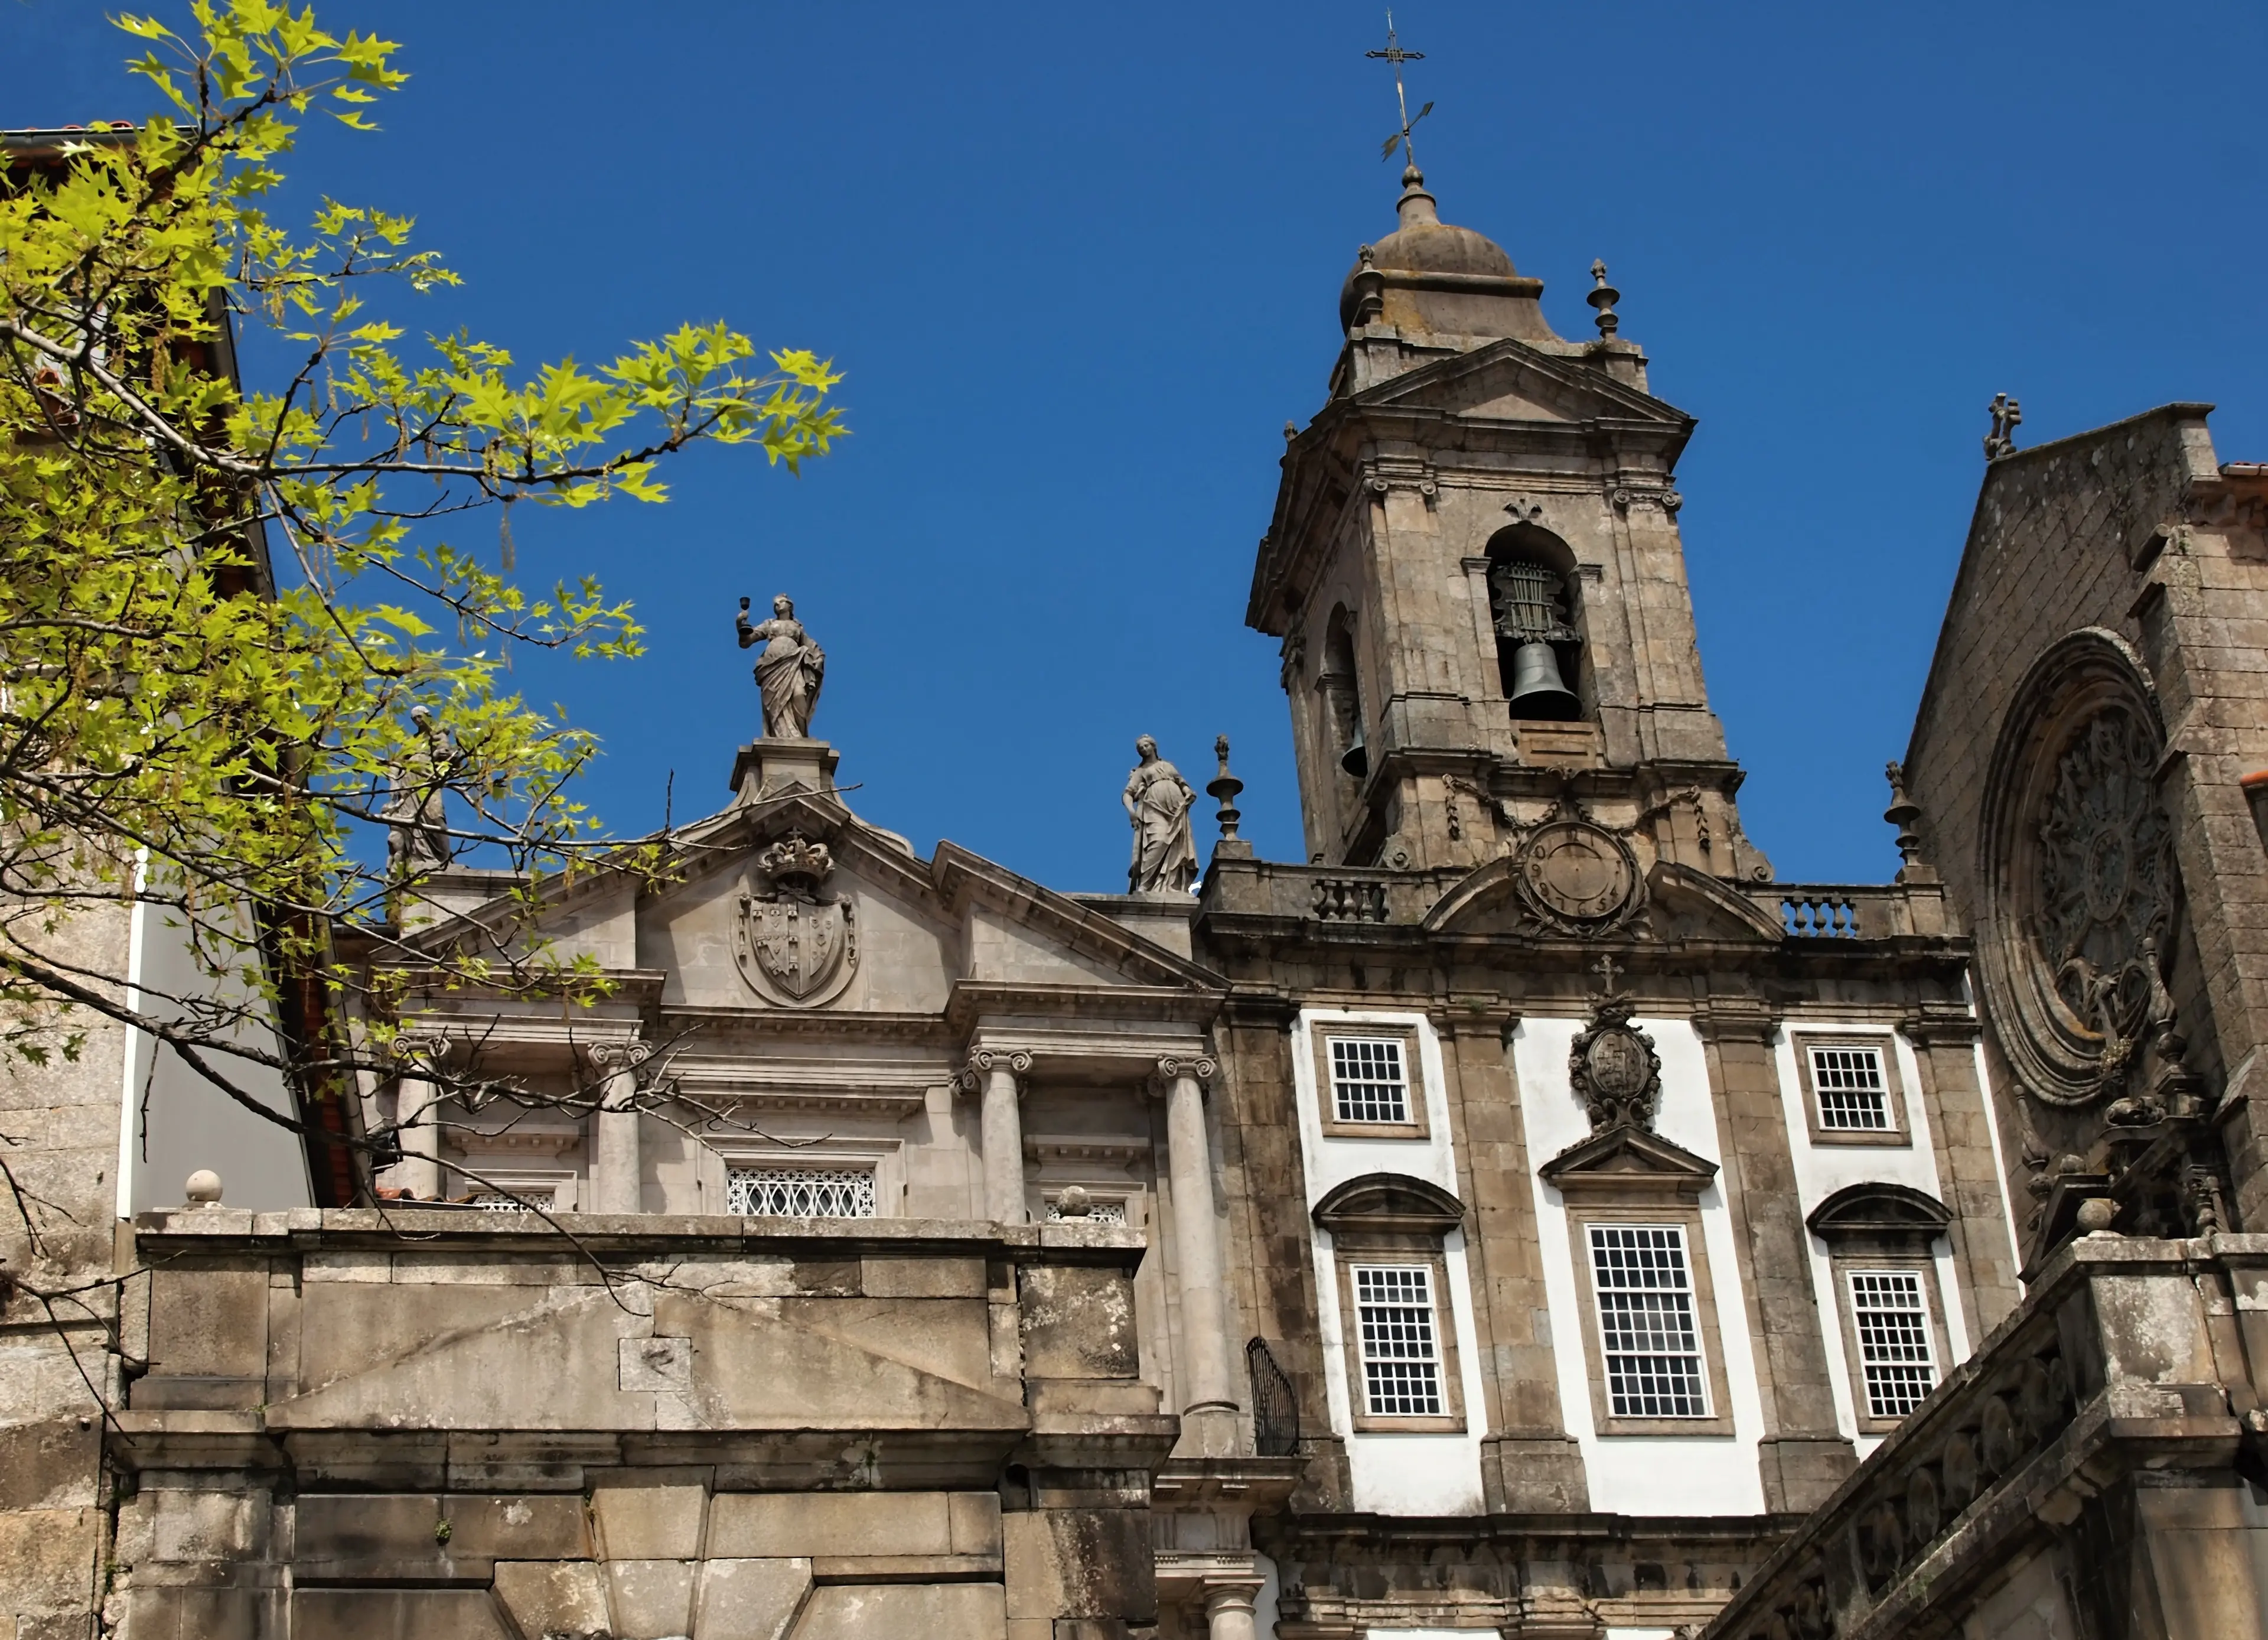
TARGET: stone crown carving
(796,945)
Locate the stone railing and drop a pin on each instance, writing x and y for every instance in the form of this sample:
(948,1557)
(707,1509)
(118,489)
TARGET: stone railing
(1330,895)
(1819,910)
(447,1423)
(2127,1355)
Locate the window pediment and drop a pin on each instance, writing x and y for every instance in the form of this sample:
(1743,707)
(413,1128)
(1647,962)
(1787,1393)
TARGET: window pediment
(1878,1213)
(1626,1162)
(1389,1204)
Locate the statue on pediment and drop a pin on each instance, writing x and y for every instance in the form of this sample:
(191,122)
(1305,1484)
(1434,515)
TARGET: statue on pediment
(1158,803)
(788,672)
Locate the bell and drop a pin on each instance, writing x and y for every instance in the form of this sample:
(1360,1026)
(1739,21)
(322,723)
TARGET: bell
(1537,689)
(1356,759)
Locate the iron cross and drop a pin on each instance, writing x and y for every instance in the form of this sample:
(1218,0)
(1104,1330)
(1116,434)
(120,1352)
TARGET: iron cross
(1397,56)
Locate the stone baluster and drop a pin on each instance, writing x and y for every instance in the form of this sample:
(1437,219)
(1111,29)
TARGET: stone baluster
(1208,1392)
(992,1076)
(1229,1611)
(615,1163)
(416,1111)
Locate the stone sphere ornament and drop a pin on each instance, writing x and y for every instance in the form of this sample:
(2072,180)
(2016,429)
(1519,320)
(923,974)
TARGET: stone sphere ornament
(202,1188)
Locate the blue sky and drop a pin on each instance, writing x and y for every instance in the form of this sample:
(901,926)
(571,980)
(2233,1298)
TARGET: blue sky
(1080,265)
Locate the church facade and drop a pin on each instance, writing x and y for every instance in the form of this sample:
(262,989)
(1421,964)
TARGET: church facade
(1525,1215)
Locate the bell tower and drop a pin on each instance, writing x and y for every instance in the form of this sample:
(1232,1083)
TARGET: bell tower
(1474,568)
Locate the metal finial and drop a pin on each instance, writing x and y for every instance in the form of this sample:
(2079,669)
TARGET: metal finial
(1397,56)
(1905,814)
(1603,297)
(2006,417)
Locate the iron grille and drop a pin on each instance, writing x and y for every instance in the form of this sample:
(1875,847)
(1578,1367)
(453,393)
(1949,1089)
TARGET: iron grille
(1531,603)
(1275,1408)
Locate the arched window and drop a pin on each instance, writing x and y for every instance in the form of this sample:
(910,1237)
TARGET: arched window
(1342,696)
(1539,645)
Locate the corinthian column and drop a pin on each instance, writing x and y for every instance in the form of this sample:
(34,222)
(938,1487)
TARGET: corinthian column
(615,1162)
(1208,1393)
(991,1074)
(417,1114)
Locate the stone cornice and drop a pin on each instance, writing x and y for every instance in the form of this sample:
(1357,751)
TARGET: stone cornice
(1734,1019)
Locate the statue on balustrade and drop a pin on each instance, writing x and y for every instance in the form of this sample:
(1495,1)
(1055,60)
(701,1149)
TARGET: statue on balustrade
(1158,803)
(789,670)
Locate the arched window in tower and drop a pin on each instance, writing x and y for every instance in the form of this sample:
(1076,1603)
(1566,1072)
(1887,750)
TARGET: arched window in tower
(1539,647)
(1342,696)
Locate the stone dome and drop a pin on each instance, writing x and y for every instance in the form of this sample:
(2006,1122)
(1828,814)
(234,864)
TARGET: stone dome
(1425,244)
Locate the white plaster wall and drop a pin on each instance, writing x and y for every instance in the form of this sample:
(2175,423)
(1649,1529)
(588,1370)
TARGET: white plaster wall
(1266,1604)
(173,1121)
(1823,1170)
(1695,1474)
(1393,1475)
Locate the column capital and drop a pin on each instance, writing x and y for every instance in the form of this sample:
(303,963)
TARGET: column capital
(419,1051)
(611,1057)
(981,1062)
(1735,1019)
(1172,1068)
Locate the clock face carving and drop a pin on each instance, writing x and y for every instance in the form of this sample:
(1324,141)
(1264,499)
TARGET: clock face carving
(1577,877)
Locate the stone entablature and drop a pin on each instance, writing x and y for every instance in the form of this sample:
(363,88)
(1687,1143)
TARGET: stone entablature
(428,1420)
(2092,1466)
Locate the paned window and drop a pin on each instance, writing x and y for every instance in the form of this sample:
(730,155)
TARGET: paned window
(1853,1098)
(1891,1318)
(1368,1084)
(801,1192)
(1645,1290)
(1401,1352)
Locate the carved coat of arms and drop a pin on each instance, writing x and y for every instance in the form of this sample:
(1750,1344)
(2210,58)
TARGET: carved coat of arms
(1614,1068)
(796,945)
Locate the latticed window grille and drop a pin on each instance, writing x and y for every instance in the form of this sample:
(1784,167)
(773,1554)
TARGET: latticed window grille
(1645,1290)
(801,1192)
(1401,1353)
(1368,1081)
(1530,602)
(1891,1318)
(1097,1213)
(1853,1095)
(520,1200)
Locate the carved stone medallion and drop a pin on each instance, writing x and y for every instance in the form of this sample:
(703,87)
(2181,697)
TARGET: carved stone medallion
(1614,1068)
(796,945)
(2083,888)
(1577,877)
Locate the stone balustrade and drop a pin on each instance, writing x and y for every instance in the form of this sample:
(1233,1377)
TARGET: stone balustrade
(2127,1386)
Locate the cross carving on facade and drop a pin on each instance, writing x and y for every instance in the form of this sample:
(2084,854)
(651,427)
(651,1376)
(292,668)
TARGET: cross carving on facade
(1606,968)
(1397,56)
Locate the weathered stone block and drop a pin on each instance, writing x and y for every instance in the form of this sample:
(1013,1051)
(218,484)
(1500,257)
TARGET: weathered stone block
(208,1323)
(395,1615)
(1079,1562)
(174,1614)
(653,1600)
(932,1611)
(554,1600)
(394,1535)
(750,1600)
(925,1278)
(975,1521)
(774,1526)
(47,1465)
(205,1525)
(649,1522)
(1078,1323)
(46,1557)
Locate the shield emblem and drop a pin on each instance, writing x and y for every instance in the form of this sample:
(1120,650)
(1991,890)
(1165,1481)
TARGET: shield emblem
(797,944)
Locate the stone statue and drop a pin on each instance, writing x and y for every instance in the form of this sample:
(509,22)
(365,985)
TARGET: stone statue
(789,670)
(1157,804)
(417,811)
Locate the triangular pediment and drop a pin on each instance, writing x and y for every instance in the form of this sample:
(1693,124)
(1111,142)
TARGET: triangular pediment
(1690,905)
(1625,1160)
(1508,380)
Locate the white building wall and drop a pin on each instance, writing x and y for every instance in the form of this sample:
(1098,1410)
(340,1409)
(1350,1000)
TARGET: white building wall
(1392,1474)
(1696,1474)
(1823,1170)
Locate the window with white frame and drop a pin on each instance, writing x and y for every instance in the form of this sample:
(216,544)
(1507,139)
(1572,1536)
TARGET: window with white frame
(1643,1282)
(1369,1083)
(1853,1095)
(1400,1345)
(759,1191)
(1890,1315)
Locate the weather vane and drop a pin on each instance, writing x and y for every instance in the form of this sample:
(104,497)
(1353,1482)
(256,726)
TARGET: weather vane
(1397,56)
